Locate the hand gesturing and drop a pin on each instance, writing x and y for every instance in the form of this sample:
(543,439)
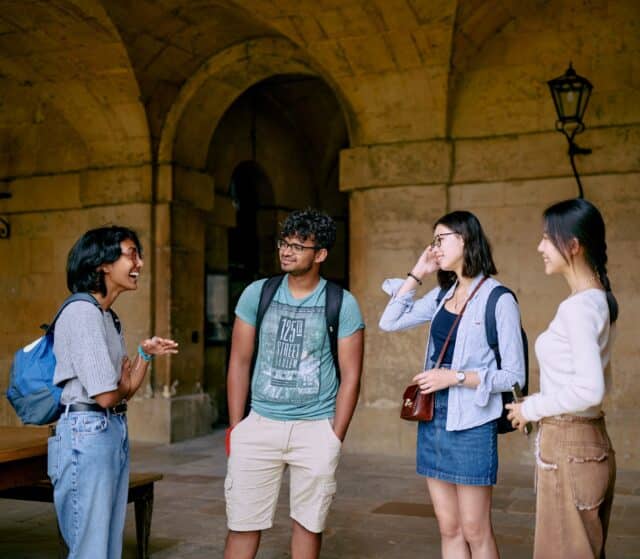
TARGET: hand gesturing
(159,346)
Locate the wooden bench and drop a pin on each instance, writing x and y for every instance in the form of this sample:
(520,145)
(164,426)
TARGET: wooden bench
(140,493)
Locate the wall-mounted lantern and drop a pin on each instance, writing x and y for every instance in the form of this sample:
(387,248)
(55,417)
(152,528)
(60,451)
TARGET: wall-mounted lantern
(570,93)
(5,228)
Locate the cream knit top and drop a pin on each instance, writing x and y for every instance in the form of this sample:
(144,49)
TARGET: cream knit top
(573,354)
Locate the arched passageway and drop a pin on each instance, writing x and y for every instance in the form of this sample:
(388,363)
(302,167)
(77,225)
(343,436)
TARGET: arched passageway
(275,149)
(256,129)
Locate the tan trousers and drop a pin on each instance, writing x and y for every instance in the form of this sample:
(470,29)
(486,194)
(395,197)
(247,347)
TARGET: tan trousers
(575,475)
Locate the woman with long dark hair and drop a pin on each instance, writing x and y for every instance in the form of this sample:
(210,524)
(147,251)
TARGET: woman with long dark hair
(88,460)
(575,463)
(457,451)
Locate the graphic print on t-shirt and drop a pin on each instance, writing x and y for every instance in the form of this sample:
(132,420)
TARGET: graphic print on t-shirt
(289,344)
(288,364)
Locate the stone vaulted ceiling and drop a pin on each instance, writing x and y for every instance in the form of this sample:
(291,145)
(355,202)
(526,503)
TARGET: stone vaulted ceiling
(65,79)
(383,55)
(101,76)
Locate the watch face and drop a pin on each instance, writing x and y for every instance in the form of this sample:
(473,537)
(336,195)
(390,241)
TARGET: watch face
(460,377)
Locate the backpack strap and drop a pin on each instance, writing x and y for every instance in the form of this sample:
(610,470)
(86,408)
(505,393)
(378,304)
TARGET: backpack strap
(116,321)
(80,296)
(333,303)
(267,293)
(490,326)
(334,294)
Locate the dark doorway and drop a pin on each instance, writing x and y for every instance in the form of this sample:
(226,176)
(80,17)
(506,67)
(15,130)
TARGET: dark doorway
(275,149)
(251,242)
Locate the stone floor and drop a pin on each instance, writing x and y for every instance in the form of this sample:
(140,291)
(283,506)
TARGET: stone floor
(380,511)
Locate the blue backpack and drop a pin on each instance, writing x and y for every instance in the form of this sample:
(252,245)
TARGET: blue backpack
(31,391)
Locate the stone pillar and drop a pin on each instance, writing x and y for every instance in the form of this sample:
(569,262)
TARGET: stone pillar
(396,193)
(179,408)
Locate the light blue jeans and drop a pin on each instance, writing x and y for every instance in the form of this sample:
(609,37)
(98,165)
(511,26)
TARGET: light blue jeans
(88,465)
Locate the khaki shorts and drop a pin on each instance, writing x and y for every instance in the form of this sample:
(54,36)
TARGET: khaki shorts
(261,448)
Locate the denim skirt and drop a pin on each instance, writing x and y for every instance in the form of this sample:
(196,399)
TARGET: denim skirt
(468,457)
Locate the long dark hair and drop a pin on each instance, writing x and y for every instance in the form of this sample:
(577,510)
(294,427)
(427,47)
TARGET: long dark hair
(581,220)
(94,248)
(477,257)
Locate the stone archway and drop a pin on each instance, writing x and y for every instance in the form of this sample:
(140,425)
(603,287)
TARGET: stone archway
(75,154)
(193,199)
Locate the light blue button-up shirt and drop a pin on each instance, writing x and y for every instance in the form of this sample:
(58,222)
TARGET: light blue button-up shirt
(467,407)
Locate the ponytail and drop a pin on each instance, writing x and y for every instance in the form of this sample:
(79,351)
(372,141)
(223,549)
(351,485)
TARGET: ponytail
(611,300)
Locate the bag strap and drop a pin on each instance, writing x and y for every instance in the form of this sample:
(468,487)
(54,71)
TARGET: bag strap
(490,325)
(267,293)
(116,320)
(491,329)
(456,321)
(81,296)
(333,303)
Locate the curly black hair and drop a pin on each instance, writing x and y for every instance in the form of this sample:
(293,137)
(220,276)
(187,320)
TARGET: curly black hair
(477,258)
(96,247)
(310,224)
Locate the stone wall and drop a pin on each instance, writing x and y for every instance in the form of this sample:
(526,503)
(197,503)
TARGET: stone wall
(114,113)
(504,162)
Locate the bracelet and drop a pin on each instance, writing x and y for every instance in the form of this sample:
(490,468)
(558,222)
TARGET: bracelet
(145,356)
(410,275)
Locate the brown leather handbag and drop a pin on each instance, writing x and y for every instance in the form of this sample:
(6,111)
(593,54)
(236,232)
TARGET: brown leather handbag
(415,405)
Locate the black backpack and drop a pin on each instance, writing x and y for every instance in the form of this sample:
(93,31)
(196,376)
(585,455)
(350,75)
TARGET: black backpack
(490,327)
(333,303)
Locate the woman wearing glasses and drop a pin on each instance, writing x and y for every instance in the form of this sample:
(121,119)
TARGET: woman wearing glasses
(457,450)
(88,460)
(576,467)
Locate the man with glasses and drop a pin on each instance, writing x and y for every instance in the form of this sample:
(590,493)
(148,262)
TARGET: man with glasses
(300,411)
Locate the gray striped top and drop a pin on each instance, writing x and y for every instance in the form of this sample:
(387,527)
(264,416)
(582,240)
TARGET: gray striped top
(89,352)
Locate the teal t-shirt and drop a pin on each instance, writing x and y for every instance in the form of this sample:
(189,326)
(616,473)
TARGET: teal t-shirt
(294,376)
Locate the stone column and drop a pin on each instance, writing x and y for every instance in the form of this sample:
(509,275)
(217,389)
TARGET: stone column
(397,191)
(179,408)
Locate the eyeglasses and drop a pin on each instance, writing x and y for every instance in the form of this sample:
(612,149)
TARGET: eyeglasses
(437,240)
(295,247)
(132,254)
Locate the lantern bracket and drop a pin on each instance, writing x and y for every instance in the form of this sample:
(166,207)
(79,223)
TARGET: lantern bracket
(570,86)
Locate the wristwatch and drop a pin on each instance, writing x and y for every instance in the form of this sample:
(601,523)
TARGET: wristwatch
(460,376)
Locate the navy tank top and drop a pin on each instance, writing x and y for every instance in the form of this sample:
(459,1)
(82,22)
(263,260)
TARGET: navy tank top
(440,326)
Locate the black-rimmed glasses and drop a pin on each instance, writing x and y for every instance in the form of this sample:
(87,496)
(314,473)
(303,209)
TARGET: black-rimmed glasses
(437,240)
(297,248)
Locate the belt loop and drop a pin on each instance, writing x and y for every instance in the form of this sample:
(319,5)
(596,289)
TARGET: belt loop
(66,411)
